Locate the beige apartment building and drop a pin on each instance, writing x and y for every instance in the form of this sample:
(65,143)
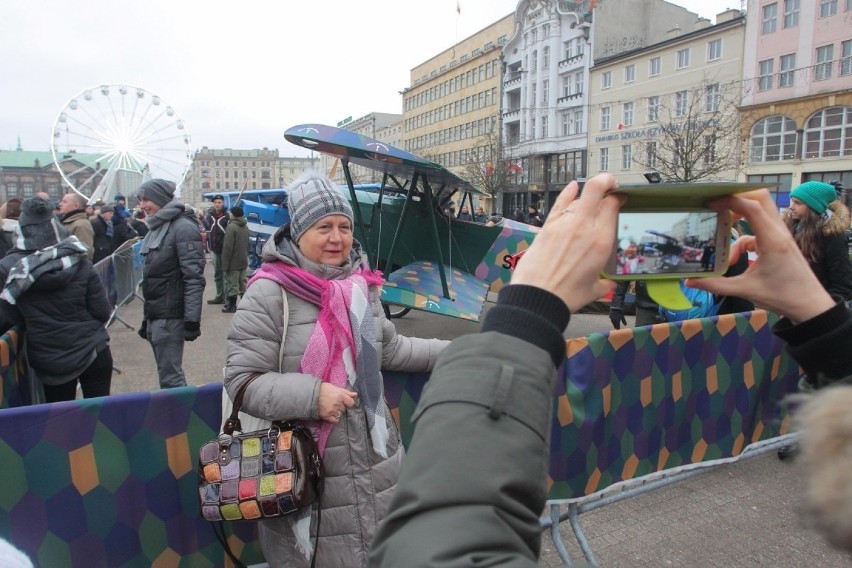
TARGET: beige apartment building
(451,109)
(797,93)
(228,169)
(670,107)
(381,126)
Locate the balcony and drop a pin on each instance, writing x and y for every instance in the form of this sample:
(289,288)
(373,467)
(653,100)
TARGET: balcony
(571,63)
(512,79)
(511,115)
(569,100)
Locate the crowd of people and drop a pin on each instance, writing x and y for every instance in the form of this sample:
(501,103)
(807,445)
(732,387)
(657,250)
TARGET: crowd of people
(308,329)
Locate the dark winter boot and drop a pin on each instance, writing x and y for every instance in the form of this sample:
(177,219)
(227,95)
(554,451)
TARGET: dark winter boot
(216,300)
(230,305)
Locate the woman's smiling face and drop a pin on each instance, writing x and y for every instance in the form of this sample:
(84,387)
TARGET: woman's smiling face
(328,241)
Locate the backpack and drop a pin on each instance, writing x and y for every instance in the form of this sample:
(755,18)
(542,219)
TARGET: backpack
(704,305)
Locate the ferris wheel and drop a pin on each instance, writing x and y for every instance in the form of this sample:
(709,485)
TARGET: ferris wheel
(108,139)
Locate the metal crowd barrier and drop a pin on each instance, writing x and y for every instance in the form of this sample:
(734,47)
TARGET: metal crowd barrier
(121,275)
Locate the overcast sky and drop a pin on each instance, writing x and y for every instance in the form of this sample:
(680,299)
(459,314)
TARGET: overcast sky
(237,73)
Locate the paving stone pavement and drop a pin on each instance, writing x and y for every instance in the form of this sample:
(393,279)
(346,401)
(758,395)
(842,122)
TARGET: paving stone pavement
(741,515)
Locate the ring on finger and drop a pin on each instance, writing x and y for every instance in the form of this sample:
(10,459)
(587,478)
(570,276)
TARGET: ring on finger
(338,415)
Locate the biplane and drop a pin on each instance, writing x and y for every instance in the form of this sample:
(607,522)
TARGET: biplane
(431,260)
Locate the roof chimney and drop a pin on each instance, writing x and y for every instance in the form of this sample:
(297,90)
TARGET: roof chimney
(727,15)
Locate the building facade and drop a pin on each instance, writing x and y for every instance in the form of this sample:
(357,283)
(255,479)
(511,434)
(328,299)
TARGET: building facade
(233,170)
(545,89)
(24,173)
(797,93)
(451,110)
(671,107)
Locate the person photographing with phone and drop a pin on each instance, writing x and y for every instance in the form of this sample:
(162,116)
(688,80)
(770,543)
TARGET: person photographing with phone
(486,443)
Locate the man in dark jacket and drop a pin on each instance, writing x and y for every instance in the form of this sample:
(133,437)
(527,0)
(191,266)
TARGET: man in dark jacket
(235,258)
(122,231)
(172,278)
(216,222)
(647,310)
(102,226)
(138,223)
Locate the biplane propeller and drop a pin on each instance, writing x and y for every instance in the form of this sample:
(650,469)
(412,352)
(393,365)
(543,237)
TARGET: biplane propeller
(432,261)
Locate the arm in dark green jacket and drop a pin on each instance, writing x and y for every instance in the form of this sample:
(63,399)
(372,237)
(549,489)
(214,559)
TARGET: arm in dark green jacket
(473,482)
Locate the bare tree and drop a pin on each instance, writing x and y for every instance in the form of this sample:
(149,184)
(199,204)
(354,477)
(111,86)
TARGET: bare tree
(486,167)
(693,134)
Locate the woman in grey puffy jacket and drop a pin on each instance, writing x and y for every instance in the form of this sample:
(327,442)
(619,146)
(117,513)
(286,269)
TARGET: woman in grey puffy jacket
(311,327)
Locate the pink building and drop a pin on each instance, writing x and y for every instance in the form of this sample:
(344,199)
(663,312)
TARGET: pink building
(797,92)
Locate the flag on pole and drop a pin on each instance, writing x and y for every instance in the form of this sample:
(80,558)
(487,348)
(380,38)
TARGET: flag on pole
(458,7)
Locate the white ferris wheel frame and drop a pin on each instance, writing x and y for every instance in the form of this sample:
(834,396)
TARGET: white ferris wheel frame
(124,140)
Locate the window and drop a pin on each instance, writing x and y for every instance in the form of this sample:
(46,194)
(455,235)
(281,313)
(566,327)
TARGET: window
(651,154)
(846,57)
(569,49)
(578,83)
(653,108)
(772,139)
(29,189)
(534,60)
(764,74)
(578,122)
(827,8)
(604,160)
(709,150)
(824,56)
(606,80)
(712,98)
(544,127)
(566,123)
(681,99)
(683,58)
(629,73)
(566,86)
(545,91)
(770,14)
(791,13)
(785,76)
(546,58)
(605,117)
(628,114)
(828,133)
(654,67)
(626,156)
(714,50)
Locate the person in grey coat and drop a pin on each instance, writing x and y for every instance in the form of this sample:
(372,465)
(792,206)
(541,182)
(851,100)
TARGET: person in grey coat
(172,279)
(312,327)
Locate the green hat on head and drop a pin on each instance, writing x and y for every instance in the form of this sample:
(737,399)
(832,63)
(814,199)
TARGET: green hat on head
(816,195)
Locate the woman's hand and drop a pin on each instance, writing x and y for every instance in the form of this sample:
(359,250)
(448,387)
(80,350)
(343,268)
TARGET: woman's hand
(578,237)
(333,402)
(780,280)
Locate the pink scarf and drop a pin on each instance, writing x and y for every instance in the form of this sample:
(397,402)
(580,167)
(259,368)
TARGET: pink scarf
(342,325)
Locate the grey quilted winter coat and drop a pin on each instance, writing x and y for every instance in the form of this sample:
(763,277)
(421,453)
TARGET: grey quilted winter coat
(359,482)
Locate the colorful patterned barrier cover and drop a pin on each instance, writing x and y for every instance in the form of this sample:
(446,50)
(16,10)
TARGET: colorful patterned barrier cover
(112,481)
(16,388)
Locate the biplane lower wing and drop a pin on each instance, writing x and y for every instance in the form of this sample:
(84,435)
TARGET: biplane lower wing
(418,285)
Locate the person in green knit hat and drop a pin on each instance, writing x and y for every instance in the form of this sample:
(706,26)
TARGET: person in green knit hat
(818,221)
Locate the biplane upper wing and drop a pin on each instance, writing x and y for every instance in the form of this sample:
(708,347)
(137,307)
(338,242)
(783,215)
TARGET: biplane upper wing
(662,235)
(374,154)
